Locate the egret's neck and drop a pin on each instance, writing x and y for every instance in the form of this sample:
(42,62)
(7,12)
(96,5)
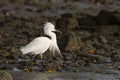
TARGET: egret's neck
(52,35)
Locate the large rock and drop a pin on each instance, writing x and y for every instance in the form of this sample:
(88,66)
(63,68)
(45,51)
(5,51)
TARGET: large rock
(71,41)
(106,18)
(74,42)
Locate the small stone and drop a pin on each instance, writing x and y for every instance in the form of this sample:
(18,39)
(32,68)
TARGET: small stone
(5,76)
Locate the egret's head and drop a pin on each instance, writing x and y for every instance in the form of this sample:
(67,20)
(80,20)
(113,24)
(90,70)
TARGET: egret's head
(49,27)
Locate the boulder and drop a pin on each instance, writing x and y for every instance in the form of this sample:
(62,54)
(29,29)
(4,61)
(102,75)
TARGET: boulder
(72,41)
(67,21)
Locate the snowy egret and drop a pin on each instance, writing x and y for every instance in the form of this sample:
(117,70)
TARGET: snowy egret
(41,44)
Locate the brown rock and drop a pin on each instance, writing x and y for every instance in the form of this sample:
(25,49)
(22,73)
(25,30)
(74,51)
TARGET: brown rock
(74,42)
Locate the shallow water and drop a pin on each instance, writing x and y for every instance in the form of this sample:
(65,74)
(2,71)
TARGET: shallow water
(63,76)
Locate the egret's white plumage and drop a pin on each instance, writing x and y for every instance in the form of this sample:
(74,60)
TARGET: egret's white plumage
(41,44)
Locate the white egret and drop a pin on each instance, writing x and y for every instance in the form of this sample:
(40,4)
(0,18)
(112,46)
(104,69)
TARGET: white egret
(41,44)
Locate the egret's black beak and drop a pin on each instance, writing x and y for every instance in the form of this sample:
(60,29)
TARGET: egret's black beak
(57,31)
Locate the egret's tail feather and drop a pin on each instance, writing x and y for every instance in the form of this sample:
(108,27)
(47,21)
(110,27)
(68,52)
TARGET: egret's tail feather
(23,51)
(59,52)
(54,50)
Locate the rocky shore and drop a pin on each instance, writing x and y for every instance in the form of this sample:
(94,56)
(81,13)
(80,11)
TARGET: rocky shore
(90,39)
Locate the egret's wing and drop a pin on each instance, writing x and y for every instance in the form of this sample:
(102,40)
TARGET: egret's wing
(40,44)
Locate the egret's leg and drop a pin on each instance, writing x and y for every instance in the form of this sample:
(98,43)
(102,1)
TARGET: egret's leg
(41,56)
(53,53)
(33,57)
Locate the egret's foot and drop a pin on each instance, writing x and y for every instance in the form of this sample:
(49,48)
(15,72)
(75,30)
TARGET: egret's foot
(39,61)
(32,60)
